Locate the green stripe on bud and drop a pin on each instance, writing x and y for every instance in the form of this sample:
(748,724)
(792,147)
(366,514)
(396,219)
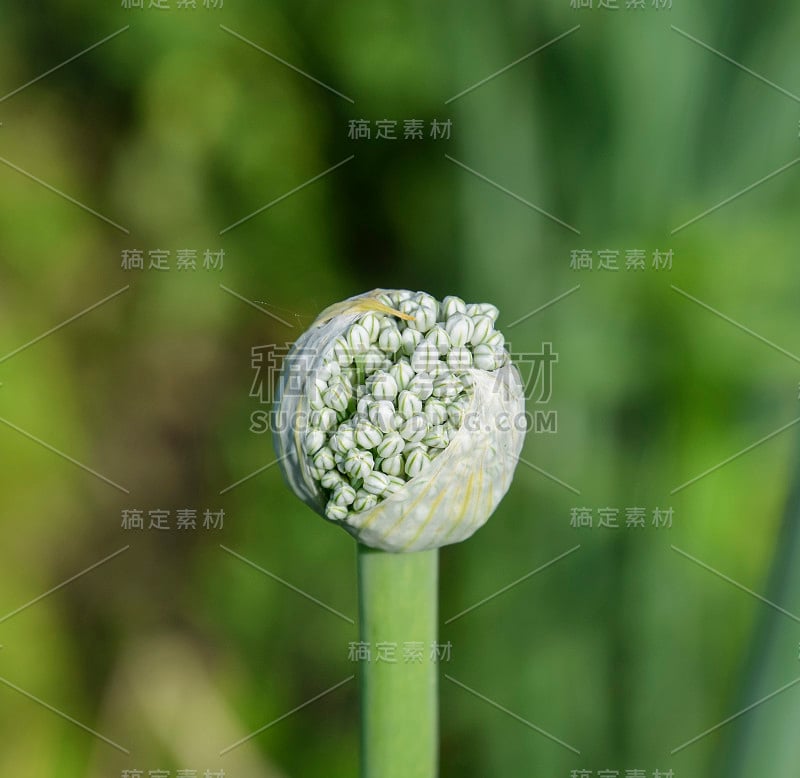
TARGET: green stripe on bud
(402,372)
(389,340)
(425,356)
(414,428)
(392,444)
(410,338)
(416,462)
(381,414)
(452,305)
(392,465)
(483,327)
(367,434)
(376,483)
(343,494)
(408,403)
(364,501)
(358,464)
(460,329)
(382,386)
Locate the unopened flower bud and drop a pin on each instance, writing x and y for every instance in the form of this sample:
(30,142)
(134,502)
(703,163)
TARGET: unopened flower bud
(371,418)
(460,329)
(376,483)
(358,340)
(389,340)
(452,305)
(392,465)
(409,339)
(358,464)
(382,385)
(482,329)
(402,374)
(364,501)
(421,385)
(424,357)
(392,444)
(367,434)
(381,414)
(416,462)
(484,357)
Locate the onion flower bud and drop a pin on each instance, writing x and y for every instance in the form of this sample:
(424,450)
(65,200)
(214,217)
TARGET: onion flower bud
(401,418)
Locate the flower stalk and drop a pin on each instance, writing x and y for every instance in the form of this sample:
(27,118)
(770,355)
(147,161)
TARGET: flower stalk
(398,683)
(401,419)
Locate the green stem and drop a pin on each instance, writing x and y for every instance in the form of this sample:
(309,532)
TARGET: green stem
(399,708)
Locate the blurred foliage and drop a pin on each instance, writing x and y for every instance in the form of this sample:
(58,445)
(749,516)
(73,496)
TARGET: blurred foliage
(176,129)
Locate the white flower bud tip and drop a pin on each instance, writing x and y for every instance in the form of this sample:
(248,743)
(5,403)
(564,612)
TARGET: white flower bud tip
(371,322)
(459,358)
(402,374)
(421,385)
(483,327)
(414,428)
(392,465)
(435,411)
(343,494)
(484,357)
(408,404)
(331,479)
(323,459)
(389,340)
(410,339)
(416,462)
(376,483)
(358,464)
(381,414)
(382,385)
(452,305)
(425,356)
(364,501)
(392,444)
(367,434)
(460,329)
(336,512)
(336,397)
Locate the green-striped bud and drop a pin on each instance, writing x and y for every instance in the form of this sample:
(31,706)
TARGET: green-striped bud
(381,414)
(410,338)
(392,465)
(408,404)
(402,374)
(416,462)
(389,340)
(358,464)
(482,329)
(392,444)
(367,434)
(382,386)
(376,483)
(460,329)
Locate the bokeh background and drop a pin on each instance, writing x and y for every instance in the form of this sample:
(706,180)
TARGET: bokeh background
(175,129)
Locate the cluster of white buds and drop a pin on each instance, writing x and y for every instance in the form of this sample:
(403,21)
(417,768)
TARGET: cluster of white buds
(374,399)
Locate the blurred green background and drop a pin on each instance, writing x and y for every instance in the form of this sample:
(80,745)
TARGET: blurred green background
(175,129)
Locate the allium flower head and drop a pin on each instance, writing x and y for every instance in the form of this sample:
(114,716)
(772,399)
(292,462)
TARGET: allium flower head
(401,418)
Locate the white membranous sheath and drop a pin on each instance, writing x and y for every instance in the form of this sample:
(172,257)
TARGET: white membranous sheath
(401,418)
